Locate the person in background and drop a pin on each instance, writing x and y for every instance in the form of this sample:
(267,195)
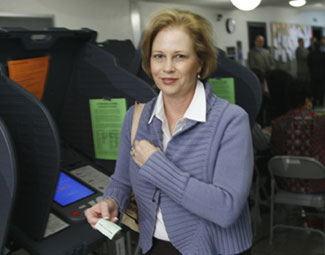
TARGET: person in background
(301,57)
(278,81)
(264,116)
(316,63)
(259,57)
(313,42)
(300,132)
(191,164)
(261,130)
(322,44)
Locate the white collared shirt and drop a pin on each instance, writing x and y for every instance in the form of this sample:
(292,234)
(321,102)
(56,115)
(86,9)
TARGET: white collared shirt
(196,111)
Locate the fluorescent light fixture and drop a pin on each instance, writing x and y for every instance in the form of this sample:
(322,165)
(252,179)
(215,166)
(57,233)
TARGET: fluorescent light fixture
(297,3)
(246,5)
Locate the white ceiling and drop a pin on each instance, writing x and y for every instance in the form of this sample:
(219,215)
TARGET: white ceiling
(312,5)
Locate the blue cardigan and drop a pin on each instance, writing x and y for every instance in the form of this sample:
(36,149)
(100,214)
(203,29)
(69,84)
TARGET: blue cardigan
(201,182)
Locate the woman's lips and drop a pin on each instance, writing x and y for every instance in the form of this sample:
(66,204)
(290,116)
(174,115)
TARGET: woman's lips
(168,81)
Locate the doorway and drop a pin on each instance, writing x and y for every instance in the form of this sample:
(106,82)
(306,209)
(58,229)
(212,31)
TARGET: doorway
(254,29)
(317,32)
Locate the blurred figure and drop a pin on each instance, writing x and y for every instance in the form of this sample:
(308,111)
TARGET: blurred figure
(300,132)
(322,44)
(313,42)
(316,63)
(259,57)
(278,82)
(264,116)
(301,56)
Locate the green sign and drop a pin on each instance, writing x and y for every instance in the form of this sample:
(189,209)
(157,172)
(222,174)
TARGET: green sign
(107,117)
(224,88)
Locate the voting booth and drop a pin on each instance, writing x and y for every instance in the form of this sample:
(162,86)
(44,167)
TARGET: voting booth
(7,182)
(63,99)
(234,78)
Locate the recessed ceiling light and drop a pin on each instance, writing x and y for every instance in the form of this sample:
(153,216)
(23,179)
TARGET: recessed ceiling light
(246,5)
(297,3)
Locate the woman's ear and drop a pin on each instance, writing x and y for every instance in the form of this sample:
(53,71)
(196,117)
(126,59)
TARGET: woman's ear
(200,66)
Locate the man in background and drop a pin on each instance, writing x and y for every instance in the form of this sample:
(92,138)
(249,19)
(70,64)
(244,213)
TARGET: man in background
(313,42)
(301,57)
(259,57)
(316,64)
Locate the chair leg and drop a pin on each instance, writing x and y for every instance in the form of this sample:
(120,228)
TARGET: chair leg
(324,237)
(271,213)
(257,218)
(256,210)
(271,224)
(258,200)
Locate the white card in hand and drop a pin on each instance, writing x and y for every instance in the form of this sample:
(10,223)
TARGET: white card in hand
(107,228)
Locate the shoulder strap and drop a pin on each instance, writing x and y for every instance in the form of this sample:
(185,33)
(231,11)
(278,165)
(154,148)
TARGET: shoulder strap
(136,118)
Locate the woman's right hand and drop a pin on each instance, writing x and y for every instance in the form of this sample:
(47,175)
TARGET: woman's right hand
(107,209)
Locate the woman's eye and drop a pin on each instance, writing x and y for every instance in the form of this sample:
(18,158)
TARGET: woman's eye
(158,56)
(180,56)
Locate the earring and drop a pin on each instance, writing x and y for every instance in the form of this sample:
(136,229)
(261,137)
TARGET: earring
(198,76)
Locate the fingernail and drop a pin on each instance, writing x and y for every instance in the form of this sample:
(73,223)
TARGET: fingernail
(106,218)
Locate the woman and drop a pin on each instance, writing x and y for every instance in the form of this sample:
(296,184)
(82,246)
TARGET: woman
(191,165)
(300,132)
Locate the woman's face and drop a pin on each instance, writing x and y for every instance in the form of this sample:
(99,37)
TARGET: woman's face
(174,64)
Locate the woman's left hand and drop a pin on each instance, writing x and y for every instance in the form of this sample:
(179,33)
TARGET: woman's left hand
(141,151)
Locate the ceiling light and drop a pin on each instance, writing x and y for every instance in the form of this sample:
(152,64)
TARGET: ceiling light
(246,5)
(297,3)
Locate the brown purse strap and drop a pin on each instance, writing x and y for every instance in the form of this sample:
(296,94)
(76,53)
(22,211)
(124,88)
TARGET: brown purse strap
(136,119)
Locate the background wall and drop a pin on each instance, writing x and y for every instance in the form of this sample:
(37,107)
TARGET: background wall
(111,18)
(223,39)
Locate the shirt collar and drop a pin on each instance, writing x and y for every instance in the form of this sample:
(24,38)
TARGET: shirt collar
(196,110)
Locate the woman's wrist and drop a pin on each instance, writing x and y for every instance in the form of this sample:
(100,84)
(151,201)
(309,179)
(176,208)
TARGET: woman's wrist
(113,202)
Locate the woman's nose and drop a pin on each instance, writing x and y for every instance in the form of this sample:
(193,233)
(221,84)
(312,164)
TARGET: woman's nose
(169,66)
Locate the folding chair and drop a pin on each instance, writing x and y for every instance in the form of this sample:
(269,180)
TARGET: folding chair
(299,167)
(248,90)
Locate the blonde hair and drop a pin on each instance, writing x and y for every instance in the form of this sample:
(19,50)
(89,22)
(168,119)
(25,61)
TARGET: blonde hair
(199,29)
